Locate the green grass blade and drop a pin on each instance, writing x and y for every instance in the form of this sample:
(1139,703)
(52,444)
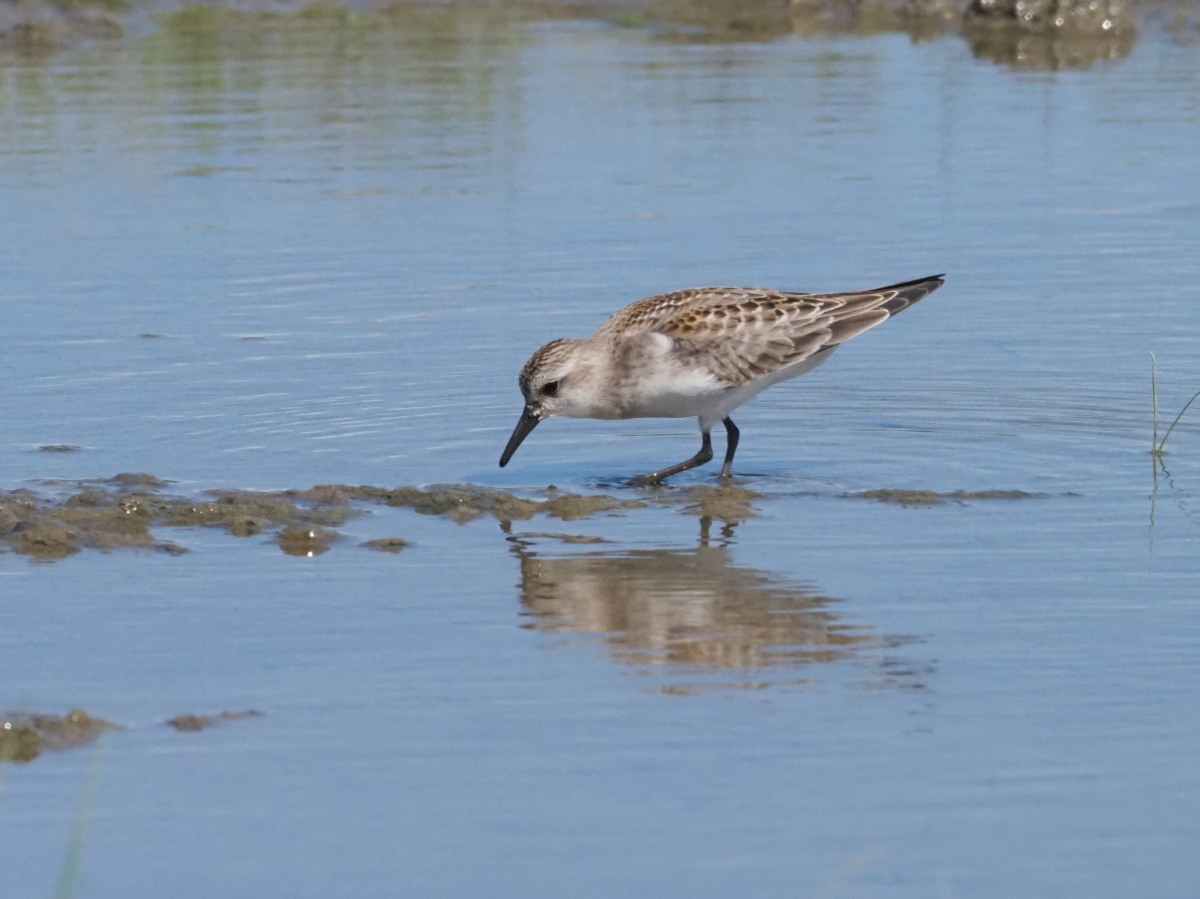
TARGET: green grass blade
(1163,442)
(69,874)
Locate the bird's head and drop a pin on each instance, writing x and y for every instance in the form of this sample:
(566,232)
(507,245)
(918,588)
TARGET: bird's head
(551,385)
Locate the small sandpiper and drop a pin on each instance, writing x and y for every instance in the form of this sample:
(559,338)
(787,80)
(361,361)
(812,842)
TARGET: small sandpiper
(700,352)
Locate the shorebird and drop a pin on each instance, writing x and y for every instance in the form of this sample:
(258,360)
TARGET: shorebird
(700,352)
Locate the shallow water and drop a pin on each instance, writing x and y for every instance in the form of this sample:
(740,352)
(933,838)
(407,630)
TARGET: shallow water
(348,236)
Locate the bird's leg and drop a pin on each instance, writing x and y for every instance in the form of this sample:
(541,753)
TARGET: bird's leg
(730,447)
(655,477)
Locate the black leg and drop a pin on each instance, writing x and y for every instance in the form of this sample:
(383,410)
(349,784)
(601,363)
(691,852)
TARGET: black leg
(655,477)
(730,447)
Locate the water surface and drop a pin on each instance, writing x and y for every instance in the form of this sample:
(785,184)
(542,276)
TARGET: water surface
(346,236)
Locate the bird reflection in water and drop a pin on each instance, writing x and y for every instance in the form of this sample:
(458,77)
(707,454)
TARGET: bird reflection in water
(696,622)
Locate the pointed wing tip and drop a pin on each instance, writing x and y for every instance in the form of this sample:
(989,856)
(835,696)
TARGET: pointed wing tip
(915,282)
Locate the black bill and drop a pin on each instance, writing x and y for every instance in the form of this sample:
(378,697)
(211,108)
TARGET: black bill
(528,422)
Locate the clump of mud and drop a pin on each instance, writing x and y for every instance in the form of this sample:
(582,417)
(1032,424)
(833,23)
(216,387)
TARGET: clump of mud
(463,502)
(387,544)
(53,530)
(466,502)
(1078,17)
(191,723)
(24,736)
(1050,34)
(731,504)
(932,498)
(586,539)
(306,541)
(119,513)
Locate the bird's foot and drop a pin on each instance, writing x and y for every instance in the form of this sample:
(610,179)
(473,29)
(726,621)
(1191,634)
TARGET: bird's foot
(654,479)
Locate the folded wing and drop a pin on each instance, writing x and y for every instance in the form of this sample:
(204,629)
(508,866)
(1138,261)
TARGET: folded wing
(741,334)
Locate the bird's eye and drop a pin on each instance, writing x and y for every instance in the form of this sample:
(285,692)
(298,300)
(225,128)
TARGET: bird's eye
(550,388)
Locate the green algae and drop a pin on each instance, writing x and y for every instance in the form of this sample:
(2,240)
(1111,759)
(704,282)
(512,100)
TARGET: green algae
(123,512)
(901,497)
(120,512)
(306,541)
(932,498)
(387,544)
(189,723)
(563,538)
(25,736)
(463,502)
(44,539)
(575,506)
(726,503)
(466,502)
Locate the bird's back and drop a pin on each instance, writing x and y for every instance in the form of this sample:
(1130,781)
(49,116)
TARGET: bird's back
(710,311)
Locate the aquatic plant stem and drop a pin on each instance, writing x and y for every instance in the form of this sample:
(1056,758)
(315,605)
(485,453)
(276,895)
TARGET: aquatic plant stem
(1154,449)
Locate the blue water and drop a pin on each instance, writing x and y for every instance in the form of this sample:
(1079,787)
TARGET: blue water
(350,238)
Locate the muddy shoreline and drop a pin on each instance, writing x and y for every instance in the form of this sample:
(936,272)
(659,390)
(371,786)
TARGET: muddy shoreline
(129,511)
(1024,33)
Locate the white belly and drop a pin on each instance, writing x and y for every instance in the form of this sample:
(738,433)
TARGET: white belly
(693,393)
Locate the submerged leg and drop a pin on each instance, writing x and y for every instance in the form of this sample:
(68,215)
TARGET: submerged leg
(655,477)
(730,447)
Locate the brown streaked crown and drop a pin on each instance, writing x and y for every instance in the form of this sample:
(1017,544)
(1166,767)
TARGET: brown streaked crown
(546,358)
